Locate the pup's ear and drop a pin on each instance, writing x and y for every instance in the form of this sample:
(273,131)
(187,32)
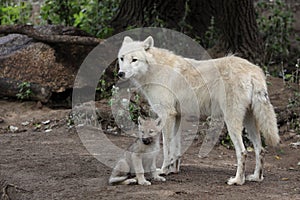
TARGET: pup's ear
(158,121)
(141,120)
(148,43)
(127,39)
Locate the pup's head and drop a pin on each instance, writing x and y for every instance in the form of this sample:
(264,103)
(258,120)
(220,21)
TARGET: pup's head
(149,130)
(132,57)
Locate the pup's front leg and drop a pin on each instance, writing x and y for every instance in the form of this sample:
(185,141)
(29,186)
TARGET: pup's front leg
(139,170)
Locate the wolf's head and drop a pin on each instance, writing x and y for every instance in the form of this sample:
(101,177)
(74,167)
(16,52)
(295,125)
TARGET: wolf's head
(149,130)
(132,57)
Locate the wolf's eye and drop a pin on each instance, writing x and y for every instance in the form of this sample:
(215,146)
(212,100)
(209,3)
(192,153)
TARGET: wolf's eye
(122,59)
(134,60)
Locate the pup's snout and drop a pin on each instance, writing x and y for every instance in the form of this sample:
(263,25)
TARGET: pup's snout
(121,74)
(147,141)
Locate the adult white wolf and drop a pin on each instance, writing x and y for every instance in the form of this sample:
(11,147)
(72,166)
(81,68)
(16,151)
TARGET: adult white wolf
(244,103)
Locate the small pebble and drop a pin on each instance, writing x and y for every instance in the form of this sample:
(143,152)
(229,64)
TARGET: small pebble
(13,128)
(46,122)
(25,123)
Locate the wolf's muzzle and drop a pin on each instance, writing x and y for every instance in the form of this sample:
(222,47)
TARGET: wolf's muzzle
(121,74)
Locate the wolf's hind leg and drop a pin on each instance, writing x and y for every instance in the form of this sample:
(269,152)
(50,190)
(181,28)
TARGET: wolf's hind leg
(235,126)
(254,136)
(119,173)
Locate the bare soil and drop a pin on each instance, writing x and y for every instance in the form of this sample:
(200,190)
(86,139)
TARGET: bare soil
(47,160)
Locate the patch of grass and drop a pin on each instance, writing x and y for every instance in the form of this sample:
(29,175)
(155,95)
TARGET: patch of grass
(25,91)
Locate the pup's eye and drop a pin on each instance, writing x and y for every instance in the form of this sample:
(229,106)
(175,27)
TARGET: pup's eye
(134,60)
(122,59)
(151,131)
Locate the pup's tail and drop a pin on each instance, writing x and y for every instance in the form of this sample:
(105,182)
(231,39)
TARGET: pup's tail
(117,180)
(264,114)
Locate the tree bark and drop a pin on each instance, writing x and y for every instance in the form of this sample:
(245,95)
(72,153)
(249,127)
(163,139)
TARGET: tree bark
(239,31)
(145,13)
(235,22)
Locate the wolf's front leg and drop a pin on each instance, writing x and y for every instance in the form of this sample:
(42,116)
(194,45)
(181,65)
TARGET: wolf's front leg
(171,146)
(154,172)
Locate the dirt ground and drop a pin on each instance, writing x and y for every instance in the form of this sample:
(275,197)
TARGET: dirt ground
(47,160)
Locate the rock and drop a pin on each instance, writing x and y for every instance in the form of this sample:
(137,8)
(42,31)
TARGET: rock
(52,65)
(13,128)
(36,63)
(12,43)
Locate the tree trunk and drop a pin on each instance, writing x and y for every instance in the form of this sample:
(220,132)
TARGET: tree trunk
(239,31)
(235,22)
(200,14)
(145,13)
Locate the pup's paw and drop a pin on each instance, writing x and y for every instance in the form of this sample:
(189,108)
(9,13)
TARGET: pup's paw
(159,178)
(130,181)
(145,182)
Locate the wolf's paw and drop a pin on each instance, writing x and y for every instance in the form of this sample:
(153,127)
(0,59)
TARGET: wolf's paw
(161,171)
(159,178)
(255,178)
(235,181)
(169,169)
(145,182)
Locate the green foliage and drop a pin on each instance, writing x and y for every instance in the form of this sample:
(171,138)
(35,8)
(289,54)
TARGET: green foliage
(134,108)
(103,88)
(15,13)
(127,108)
(152,18)
(60,12)
(24,91)
(293,76)
(276,28)
(226,142)
(91,16)
(211,35)
(294,103)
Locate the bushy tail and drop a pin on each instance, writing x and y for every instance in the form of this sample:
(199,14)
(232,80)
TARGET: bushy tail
(117,180)
(264,114)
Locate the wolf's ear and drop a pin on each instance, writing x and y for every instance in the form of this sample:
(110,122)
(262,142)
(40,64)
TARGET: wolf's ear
(148,43)
(141,120)
(127,39)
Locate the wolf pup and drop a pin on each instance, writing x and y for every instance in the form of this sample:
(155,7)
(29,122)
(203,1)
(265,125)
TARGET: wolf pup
(140,156)
(231,88)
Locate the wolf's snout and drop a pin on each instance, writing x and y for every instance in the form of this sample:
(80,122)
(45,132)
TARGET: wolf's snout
(147,141)
(121,74)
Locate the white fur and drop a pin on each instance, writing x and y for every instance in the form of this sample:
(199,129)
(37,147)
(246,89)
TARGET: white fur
(229,87)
